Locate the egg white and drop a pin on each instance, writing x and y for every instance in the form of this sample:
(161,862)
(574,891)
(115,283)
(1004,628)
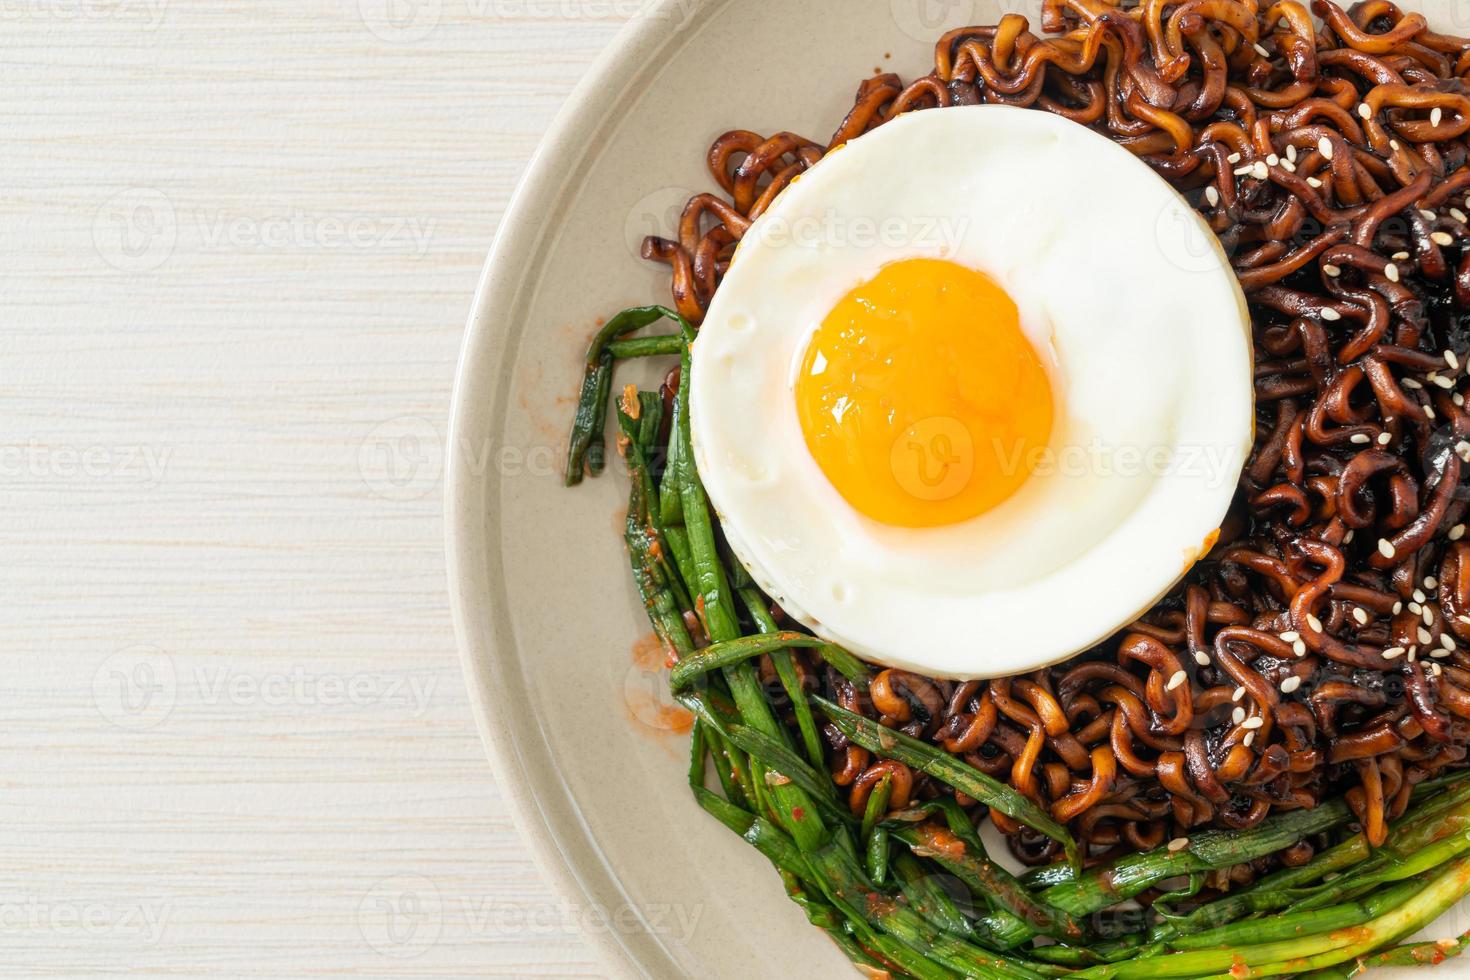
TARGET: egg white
(1123,291)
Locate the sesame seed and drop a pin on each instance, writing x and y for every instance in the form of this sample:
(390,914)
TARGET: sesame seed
(1179,678)
(1436,670)
(1364,111)
(1459,215)
(1384,438)
(1249,738)
(1457,532)
(1424,636)
(1332,270)
(1415,608)
(1291,152)
(1291,636)
(1428,215)
(1428,616)
(1419,596)
(1359,439)
(1400,256)
(1212,195)
(1329,314)
(1393,145)
(1413,653)
(1392,272)
(1398,607)
(1260,50)
(1360,616)
(1289,166)
(1324,147)
(1178,844)
(1348,537)
(1385,548)
(1452,360)
(1242,171)
(1442,238)
(1299,648)
(1431,583)
(1458,399)
(1272,160)
(1237,694)
(1235,158)
(1464,619)
(1462,450)
(1436,117)
(1429,412)
(1444,382)
(1440,654)
(1314,183)
(1237,716)
(1252,723)
(1290,684)
(1202,658)
(1393,653)
(1411,383)
(1261,173)
(1314,623)
(1447,641)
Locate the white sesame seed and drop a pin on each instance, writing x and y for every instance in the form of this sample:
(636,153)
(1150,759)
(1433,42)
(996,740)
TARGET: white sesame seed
(1332,270)
(1237,716)
(1260,50)
(1291,152)
(1424,636)
(1392,272)
(1462,450)
(1359,439)
(1360,616)
(1235,158)
(1364,111)
(1400,256)
(1411,383)
(1447,641)
(1429,412)
(1431,583)
(1458,399)
(1419,596)
(1324,147)
(1290,684)
(1428,215)
(1444,382)
(1178,844)
(1252,723)
(1261,173)
(1393,145)
(1436,670)
(1440,654)
(1249,738)
(1413,653)
(1299,648)
(1329,314)
(1289,166)
(1459,215)
(1179,678)
(1384,438)
(1314,183)
(1398,607)
(1348,537)
(1442,238)
(1212,195)
(1457,532)
(1237,694)
(1291,636)
(1464,619)
(1242,171)
(1272,160)
(1436,117)
(1393,653)
(1428,616)
(1202,658)
(1314,623)
(1415,608)
(1385,548)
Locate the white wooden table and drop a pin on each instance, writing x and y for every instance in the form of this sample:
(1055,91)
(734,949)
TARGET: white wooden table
(238,243)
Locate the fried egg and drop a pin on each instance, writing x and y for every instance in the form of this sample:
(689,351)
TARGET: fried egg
(975,392)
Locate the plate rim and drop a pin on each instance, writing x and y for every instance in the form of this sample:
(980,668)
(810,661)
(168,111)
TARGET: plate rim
(479,606)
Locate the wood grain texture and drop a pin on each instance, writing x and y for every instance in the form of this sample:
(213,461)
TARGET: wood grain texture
(239,242)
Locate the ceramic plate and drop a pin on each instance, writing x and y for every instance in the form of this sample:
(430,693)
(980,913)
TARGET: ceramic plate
(571,703)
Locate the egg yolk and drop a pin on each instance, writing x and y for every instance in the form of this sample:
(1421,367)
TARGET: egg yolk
(921,399)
